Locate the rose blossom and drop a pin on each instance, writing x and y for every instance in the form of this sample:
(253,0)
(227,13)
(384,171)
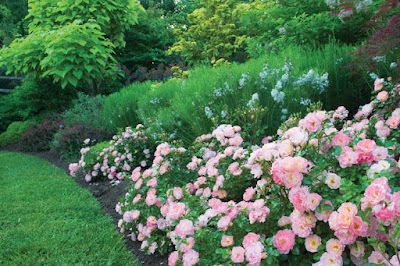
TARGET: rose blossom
(237,255)
(284,241)
(190,258)
(184,228)
(173,258)
(312,243)
(227,241)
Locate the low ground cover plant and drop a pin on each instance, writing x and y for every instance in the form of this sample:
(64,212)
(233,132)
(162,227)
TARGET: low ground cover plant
(324,190)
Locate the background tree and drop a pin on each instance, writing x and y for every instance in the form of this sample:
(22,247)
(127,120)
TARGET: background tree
(213,33)
(12,14)
(147,41)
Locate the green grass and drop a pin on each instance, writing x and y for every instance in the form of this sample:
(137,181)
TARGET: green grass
(47,219)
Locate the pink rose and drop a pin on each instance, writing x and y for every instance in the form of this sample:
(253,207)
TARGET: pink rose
(178,193)
(224,222)
(250,239)
(188,245)
(284,241)
(249,194)
(382,96)
(173,258)
(184,228)
(312,243)
(190,258)
(378,84)
(227,241)
(254,253)
(237,255)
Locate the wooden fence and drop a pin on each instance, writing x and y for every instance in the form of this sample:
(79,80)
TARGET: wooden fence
(9,79)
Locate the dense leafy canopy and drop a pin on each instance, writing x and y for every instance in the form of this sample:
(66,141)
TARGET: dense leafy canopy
(71,42)
(213,34)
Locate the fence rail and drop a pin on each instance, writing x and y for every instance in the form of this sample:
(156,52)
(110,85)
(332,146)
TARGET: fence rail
(11,78)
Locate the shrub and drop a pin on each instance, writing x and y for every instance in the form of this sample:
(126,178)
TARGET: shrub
(85,110)
(128,149)
(324,189)
(39,136)
(213,34)
(14,131)
(159,73)
(71,140)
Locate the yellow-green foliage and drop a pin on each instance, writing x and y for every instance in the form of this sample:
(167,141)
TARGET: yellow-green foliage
(71,41)
(14,132)
(213,34)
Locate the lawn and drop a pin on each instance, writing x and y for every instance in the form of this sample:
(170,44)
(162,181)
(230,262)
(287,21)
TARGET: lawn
(46,218)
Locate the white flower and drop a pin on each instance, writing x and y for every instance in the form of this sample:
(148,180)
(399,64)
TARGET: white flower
(242,81)
(156,100)
(393,65)
(218,92)
(345,13)
(305,102)
(253,100)
(373,76)
(278,85)
(264,72)
(284,111)
(331,3)
(277,95)
(208,112)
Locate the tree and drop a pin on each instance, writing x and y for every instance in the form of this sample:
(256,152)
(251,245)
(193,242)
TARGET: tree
(12,13)
(147,41)
(71,41)
(212,34)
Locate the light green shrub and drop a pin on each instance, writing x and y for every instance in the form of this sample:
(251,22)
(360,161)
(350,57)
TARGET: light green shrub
(14,131)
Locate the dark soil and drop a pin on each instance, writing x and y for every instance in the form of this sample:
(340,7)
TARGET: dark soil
(107,194)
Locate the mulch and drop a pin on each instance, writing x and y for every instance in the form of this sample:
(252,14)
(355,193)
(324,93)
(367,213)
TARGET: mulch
(107,194)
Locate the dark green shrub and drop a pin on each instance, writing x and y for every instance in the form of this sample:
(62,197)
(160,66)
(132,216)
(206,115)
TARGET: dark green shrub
(85,110)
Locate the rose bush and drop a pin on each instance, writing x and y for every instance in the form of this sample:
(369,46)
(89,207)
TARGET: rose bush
(128,149)
(324,190)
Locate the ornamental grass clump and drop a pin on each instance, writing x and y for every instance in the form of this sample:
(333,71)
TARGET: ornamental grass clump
(324,190)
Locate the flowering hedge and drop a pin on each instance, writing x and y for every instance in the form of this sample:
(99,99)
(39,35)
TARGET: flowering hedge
(324,190)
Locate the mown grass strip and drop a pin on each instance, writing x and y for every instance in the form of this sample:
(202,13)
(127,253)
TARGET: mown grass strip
(46,218)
